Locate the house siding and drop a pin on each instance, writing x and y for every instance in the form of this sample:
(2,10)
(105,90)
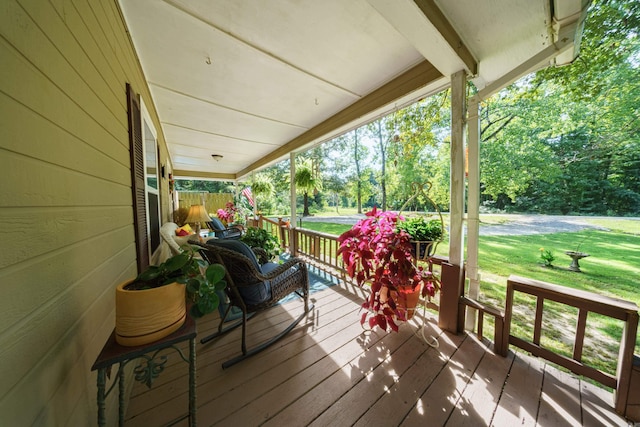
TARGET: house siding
(65,202)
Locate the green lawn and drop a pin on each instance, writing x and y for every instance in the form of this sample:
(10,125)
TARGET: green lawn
(326,227)
(612,269)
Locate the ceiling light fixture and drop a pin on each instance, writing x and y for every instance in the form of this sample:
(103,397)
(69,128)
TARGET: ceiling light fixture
(217,157)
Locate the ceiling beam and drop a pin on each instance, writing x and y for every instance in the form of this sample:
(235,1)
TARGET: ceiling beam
(428,30)
(412,80)
(184,174)
(444,27)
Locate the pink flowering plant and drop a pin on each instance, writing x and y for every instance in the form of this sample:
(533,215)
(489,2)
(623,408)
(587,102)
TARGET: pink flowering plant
(375,252)
(229,212)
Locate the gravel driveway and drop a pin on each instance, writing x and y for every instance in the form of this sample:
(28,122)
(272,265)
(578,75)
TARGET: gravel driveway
(514,225)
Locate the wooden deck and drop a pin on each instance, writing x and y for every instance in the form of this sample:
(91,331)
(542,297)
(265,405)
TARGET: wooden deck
(329,372)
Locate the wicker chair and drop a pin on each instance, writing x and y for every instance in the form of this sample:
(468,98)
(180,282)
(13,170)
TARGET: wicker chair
(222,232)
(254,288)
(168,233)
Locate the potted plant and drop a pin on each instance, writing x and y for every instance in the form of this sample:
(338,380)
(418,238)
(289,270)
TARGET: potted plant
(424,232)
(260,238)
(375,252)
(153,305)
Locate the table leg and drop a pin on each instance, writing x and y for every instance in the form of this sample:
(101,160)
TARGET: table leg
(192,382)
(121,395)
(101,396)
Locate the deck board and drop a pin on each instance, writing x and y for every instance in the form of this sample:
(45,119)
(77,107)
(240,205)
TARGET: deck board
(329,372)
(521,393)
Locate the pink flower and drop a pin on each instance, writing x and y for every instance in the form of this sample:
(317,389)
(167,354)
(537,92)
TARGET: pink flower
(228,213)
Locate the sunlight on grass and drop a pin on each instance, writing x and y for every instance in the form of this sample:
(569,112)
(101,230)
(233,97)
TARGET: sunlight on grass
(617,225)
(498,245)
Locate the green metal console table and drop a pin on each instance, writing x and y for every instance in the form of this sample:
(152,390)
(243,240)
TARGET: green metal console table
(151,365)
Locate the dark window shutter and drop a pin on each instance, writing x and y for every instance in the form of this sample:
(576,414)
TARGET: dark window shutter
(137,179)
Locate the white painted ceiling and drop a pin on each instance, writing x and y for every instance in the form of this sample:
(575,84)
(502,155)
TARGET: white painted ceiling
(253,80)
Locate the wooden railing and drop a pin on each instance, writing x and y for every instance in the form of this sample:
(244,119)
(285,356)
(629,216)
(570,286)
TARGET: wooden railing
(585,302)
(320,249)
(278,228)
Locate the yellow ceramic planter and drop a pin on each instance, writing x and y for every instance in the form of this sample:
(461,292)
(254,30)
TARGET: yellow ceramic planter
(144,316)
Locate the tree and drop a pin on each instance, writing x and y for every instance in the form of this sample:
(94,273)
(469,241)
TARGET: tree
(335,169)
(566,139)
(204,186)
(383,134)
(418,130)
(359,153)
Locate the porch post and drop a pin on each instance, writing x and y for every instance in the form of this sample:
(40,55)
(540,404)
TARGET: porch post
(452,281)
(473,207)
(293,220)
(255,201)
(456,209)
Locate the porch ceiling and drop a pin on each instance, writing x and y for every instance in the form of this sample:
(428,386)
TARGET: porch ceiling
(255,80)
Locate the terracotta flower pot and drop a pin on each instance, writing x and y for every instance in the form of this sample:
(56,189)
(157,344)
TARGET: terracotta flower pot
(406,300)
(144,316)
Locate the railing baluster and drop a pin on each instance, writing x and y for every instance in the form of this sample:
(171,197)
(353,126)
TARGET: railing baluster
(537,329)
(580,328)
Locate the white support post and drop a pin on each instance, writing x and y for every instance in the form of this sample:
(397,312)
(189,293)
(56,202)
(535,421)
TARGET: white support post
(292,171)
(473,207)
(255,200)
(456,210)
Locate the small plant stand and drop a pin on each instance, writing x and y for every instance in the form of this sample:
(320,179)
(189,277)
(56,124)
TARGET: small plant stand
(575,257)
(149,368)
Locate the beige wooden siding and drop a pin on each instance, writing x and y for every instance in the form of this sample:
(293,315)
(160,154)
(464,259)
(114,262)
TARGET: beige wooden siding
(65,201)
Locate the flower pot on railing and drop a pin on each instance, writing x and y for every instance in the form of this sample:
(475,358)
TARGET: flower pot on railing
(425,233)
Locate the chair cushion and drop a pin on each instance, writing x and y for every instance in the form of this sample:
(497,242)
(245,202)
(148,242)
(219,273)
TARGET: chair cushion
(238,246)
(268,267)
(216,224)
(252,295)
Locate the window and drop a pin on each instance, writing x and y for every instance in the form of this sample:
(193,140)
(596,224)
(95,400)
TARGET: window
(145,179)
(152,180)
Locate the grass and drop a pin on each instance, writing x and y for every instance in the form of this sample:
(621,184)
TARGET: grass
(326,227)
(612,269)
(628,226)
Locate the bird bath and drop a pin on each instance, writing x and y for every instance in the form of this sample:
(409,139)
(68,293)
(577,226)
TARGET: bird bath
(575,256)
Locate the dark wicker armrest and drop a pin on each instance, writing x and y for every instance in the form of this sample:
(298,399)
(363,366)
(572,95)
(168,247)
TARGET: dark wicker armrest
(288,277)
(282,268)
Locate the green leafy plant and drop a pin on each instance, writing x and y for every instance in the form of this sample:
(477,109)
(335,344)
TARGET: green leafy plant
(547,257)
(261,238)
(184,268)
(421,228)
(424,233)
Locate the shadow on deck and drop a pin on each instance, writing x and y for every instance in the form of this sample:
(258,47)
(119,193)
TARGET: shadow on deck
(328,371)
